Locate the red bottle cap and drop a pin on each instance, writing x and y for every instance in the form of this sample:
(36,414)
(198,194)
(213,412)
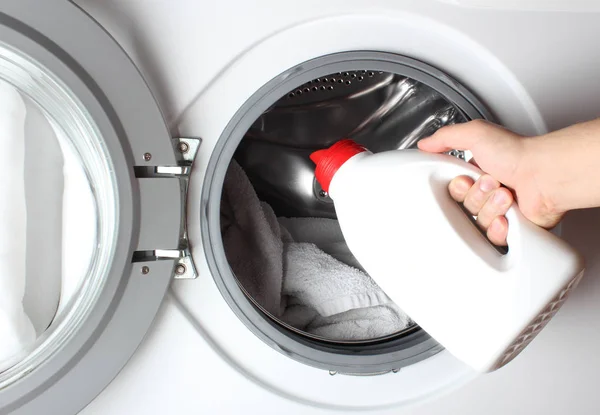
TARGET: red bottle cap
(329,161)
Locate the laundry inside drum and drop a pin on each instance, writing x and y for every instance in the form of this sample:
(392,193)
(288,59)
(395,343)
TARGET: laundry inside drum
(279,228)
(56,207)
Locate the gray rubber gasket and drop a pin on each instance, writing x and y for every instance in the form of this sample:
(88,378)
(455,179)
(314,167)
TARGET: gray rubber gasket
(65,40)
(372,358)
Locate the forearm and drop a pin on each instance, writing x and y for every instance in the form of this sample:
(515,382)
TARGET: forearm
(565,166)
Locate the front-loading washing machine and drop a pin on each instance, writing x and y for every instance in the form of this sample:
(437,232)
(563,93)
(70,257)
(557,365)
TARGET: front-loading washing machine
(157,321)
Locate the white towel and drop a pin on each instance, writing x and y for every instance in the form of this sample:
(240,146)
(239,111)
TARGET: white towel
(326,284)
(364,313)
(324,233)
(16,330)
(361,323)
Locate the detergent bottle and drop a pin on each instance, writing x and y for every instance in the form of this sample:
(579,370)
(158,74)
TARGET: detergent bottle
(483,305)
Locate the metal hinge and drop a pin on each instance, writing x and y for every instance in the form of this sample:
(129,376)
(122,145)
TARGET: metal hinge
(186,150)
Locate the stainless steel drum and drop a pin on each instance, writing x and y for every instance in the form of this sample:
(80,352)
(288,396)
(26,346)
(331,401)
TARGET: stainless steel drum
(383,111)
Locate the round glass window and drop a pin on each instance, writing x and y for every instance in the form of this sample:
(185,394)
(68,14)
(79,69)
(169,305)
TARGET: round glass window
(58,215)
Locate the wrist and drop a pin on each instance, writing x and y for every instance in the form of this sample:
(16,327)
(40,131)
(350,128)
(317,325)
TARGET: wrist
(564,167)
(541,175)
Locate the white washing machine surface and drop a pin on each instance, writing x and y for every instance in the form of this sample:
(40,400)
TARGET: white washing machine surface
(155,98)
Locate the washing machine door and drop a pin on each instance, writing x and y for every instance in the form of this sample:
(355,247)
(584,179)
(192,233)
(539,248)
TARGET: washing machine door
(102,112)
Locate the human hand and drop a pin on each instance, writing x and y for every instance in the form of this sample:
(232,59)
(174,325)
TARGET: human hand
(507,160)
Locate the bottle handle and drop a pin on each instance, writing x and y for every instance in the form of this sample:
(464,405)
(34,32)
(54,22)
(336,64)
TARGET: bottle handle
(521,232)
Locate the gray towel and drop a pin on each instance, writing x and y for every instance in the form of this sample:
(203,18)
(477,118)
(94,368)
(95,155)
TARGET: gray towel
(300,269)
(252,240)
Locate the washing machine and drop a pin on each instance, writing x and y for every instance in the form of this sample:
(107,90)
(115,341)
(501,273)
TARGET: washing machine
(148,102)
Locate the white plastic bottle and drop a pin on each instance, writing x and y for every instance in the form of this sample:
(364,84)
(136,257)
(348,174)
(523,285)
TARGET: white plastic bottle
(429,257)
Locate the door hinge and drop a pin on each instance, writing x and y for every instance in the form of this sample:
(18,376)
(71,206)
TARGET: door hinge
(185,150)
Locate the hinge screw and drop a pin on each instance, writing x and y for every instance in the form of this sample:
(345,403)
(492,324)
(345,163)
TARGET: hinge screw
(180,269)
(147,156)
(183,147)
(145,270)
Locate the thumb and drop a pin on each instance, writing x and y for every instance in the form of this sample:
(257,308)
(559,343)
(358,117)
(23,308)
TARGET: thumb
(453,137)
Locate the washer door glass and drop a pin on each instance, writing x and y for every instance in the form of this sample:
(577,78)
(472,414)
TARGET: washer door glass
(82,217)
(58,216)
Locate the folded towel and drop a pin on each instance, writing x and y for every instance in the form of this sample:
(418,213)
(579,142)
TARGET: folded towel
(298,315)
(353,325)
(367,315)
(361,323)
(300,269)
(16,330)
(324,233)
(326,284)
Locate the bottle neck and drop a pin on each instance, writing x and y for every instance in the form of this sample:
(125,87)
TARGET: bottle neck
(342,171)
(329,160)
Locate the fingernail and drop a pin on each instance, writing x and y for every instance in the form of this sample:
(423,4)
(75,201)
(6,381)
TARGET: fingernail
(487,184)
(497,227)
(500,198)
(461,185)
(494,225)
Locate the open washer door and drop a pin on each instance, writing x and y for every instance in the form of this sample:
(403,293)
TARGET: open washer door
(102,112)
